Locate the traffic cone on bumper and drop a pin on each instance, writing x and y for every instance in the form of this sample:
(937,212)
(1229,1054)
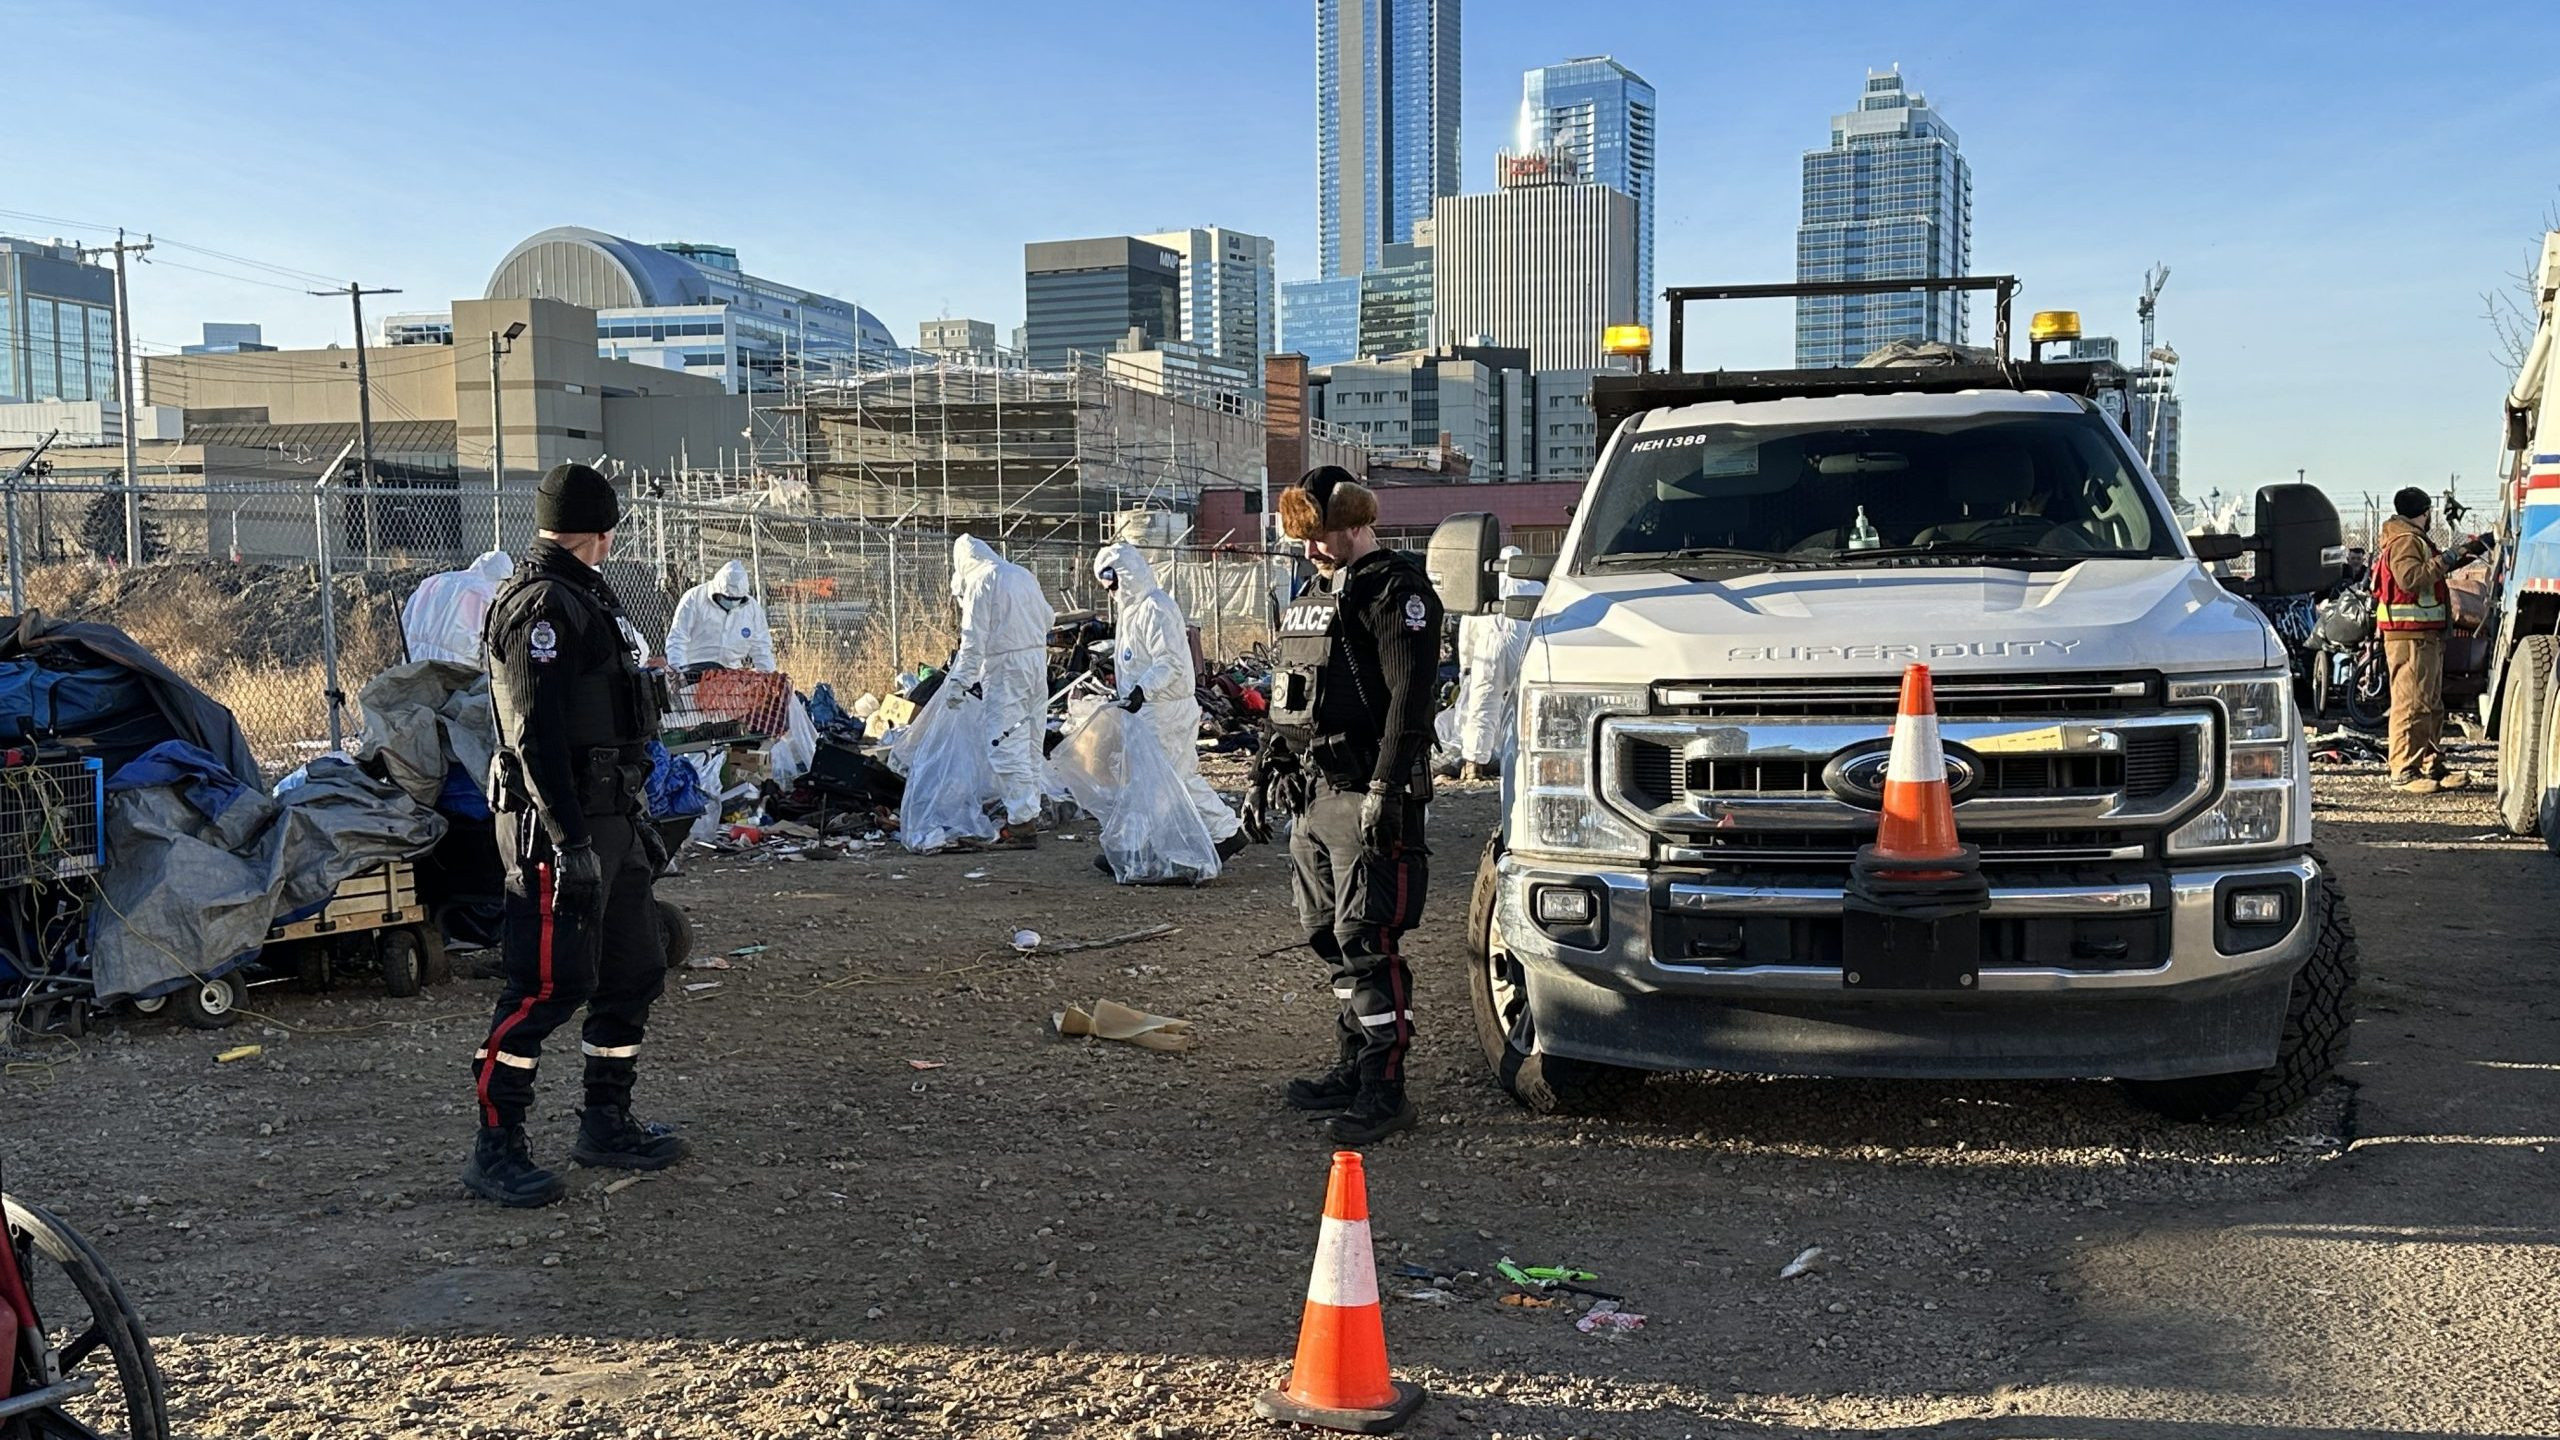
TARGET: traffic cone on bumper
(1340,1379)
(1919,811)
(1911,916)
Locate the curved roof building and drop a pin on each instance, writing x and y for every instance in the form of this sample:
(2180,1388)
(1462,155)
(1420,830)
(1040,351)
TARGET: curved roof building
(735,325)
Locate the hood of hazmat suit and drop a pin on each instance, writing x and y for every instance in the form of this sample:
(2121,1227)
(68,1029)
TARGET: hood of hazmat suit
(442,618)
(1490,651)
(1004,647)
(1152,652)
(705,632)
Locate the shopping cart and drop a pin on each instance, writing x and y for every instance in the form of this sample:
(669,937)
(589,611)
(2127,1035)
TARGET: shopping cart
(53,829)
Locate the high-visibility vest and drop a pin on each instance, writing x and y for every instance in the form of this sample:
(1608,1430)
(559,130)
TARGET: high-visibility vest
(2397,607)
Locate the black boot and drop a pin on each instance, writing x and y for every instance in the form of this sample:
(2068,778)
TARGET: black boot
(502,1171)
(1380,1111)
(1335,1089)
(1232,846)
(608,1136)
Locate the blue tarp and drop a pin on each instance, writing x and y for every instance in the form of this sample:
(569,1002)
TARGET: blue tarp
(674,788)
(197,776)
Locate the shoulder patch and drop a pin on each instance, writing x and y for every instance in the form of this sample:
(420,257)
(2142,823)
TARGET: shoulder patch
(544,641)
(1417,612)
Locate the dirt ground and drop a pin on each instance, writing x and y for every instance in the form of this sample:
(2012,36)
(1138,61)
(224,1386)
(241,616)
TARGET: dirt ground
(1065,1238)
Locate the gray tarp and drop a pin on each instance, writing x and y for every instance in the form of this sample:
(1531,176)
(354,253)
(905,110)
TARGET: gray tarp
(186,894)
(421,718)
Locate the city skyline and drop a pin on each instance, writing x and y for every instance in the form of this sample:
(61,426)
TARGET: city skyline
(1602,115)
(2268,238)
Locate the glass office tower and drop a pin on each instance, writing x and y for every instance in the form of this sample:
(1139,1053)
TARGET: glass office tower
(1386,124)
(1890,197)
(1600,114)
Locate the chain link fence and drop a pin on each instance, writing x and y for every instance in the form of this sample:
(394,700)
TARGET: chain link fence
(260,594)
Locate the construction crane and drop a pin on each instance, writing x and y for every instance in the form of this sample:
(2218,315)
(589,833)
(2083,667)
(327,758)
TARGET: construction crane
(2149,305)
(2158,363)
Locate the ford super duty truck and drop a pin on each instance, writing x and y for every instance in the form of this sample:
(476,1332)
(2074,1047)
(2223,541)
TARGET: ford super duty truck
(1704,713)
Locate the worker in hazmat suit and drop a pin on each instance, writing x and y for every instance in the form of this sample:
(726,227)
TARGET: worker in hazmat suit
(1152,673)
(1002,670)
(442,618)
(1490,649)
(720,625)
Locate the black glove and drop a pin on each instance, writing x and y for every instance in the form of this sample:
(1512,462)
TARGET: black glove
(1382,820)
(653,844)
(694,674)
(1136,702)
(577,880)
(2475,547)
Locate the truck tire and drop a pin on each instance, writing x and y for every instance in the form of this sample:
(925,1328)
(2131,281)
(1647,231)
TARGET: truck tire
(1543,1084)
(2524,716)
(2317,1018)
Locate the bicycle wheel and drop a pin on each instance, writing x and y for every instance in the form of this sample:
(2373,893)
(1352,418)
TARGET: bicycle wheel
(92,1334)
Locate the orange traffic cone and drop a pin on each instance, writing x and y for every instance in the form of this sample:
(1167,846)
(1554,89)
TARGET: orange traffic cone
(1340,1379)
(1919,814)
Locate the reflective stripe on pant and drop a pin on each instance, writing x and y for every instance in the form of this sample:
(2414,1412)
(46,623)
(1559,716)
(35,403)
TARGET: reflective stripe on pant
(1356,909)
(2416,658)
(613,962)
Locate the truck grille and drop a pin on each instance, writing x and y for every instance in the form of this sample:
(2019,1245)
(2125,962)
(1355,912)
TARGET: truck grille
(1832,850)
(1985,697)
(2147,767)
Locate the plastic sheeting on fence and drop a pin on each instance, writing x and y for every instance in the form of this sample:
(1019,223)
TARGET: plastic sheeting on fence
(422,719)
(198,871)
(951,773)
(1115,766)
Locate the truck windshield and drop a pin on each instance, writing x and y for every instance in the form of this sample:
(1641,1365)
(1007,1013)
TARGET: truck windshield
(2031,490)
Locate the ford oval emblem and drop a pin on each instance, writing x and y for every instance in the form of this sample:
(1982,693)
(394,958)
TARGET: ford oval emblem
(1855,776)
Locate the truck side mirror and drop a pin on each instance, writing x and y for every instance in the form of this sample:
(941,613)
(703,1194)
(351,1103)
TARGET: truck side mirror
(1461,560)
(2300,544)
(2214,548)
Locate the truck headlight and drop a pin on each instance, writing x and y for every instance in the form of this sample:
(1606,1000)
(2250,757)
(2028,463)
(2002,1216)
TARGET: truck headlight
(1555,804)
(2266,797)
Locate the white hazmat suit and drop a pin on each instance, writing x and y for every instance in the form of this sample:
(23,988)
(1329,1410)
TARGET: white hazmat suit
(1152,653)
(442,618)
(1004,647)
(720,622)
(1490,649)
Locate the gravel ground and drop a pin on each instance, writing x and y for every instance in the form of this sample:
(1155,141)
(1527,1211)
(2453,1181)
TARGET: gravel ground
(1053,1238)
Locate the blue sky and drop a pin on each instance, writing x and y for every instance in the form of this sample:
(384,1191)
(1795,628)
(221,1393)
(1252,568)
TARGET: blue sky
(2332,184)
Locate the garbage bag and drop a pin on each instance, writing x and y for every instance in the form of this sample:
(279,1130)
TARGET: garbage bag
(1116,767)
(424,718)
(796,746)
(674,787)
(950,772)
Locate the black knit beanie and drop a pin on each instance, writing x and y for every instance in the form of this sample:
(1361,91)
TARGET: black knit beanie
(575,500)
(2411,503)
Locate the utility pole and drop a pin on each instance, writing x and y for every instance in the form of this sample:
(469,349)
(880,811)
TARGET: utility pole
(499,344)
(124,390)
(364,418)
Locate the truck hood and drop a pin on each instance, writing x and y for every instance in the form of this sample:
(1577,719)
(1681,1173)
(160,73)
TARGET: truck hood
(1643,627)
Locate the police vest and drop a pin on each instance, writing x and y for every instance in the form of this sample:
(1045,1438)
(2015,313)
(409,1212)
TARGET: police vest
(2397,607)
(1307,630)
(611,705)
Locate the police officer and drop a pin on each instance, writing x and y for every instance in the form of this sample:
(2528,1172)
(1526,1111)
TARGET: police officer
(1351,717)
(575,716)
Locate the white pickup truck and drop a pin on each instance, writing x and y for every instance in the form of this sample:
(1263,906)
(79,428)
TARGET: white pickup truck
(1705,706)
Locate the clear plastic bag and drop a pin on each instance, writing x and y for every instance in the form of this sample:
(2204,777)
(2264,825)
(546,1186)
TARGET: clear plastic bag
(797,746)
(1151,833)
(950,773)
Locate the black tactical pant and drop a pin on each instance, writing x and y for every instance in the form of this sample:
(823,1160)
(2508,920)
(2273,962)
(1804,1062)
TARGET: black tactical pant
(612,961)
(1356,908)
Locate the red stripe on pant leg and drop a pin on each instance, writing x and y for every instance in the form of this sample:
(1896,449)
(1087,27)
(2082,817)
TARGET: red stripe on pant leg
(1395,966)
(542,992)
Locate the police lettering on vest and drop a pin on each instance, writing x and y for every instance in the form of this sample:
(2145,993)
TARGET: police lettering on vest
(1307,629)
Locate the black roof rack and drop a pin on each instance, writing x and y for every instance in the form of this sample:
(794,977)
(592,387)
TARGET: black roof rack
(1616,396)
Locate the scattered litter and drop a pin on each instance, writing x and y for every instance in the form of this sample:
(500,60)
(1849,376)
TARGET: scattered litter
(1536,1276)
(976,874)
(1111,1020)
(1026,941)
(709,962)
(625,1183)
(1607,1318)
(1803,1264)
(698,986)
(745,950)
(1417,1272)
(1428,1296)
(1529,1302)
(239,1052)
(926,1064)
(1152,932)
